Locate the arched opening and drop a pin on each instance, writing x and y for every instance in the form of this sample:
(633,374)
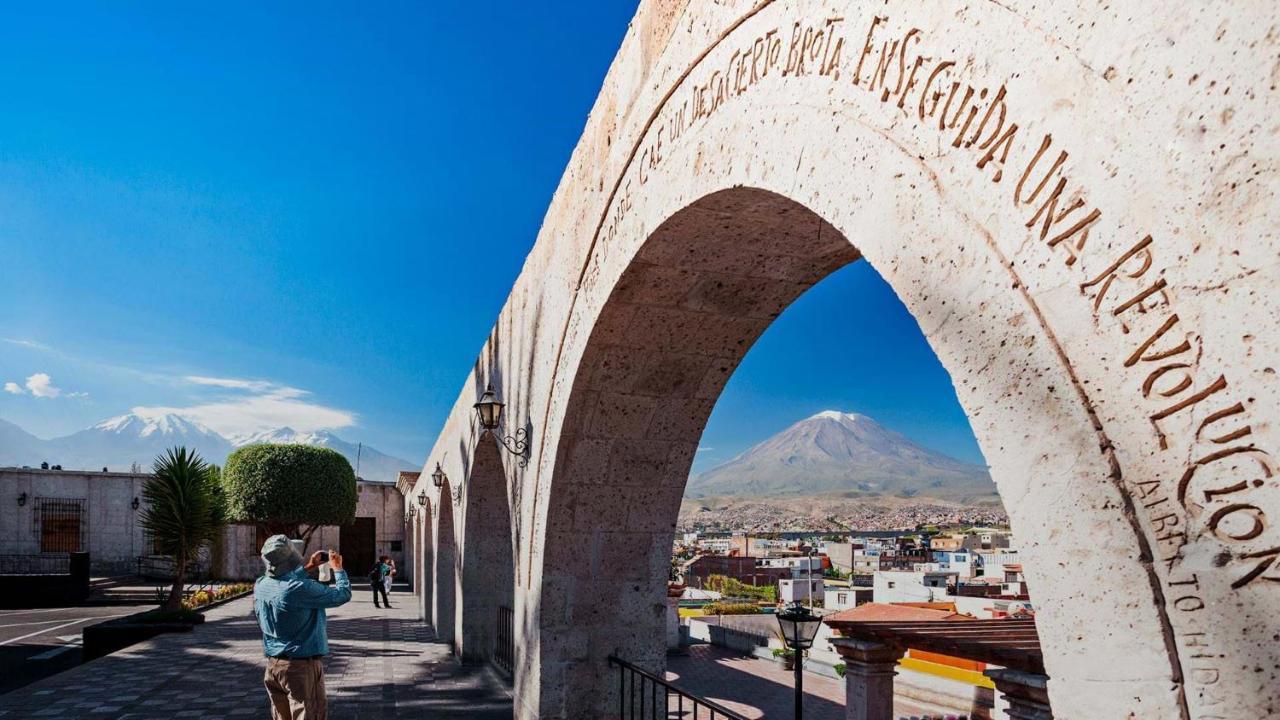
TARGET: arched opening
(703,287)
(699,292)
(487,561)
(444,594)
(424,562)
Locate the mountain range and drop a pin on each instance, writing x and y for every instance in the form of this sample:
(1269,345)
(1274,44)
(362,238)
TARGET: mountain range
(846,455)
(120,442)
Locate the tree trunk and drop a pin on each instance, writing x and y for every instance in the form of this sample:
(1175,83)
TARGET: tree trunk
(306,537)
(174,602)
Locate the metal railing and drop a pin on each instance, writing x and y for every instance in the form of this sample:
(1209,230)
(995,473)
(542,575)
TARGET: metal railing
(47,564)
(161,567)
(643,695)
(504,641)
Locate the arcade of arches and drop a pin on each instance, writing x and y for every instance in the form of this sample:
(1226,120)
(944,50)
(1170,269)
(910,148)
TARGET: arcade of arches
(1078,205)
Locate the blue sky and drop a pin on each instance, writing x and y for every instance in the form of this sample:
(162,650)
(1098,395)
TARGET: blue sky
(270,213)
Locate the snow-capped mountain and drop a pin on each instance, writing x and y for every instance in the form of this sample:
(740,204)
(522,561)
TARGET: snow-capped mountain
(120,442)
(838,453)
(370,463)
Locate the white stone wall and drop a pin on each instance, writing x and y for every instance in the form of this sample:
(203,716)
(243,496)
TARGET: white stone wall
(114,537)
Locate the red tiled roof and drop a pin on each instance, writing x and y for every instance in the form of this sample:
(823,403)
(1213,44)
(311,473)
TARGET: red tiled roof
(877,612)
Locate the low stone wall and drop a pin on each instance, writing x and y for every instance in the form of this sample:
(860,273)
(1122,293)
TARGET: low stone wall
(47,589)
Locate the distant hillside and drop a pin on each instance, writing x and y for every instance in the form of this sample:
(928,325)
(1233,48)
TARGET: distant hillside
(121,441)
(845,455)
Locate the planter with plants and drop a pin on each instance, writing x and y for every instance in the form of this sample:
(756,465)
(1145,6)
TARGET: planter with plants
(785,657)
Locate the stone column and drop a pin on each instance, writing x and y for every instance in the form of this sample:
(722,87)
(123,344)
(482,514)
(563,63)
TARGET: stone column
(869,668)
(1026,693)
(673,624)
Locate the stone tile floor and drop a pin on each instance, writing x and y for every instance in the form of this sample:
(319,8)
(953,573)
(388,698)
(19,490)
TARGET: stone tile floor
(383,664)
(759,688)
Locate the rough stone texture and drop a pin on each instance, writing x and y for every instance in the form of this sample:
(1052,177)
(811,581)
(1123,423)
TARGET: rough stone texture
(1078,205)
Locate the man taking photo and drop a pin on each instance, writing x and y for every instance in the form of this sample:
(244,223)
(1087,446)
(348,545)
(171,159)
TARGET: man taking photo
(291,612)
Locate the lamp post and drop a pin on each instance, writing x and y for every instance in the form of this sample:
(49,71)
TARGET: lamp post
(799,626)
(489,412)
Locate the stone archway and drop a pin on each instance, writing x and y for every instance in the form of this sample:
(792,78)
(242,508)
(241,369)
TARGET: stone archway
(424,559)
(488,563)
(1077,204)
(444,593)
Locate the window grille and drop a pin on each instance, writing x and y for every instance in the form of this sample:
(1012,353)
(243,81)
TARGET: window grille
(61,525)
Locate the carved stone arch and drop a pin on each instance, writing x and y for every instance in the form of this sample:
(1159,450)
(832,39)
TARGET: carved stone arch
(1076,202)
(424,558)
(487,561)
(444,595)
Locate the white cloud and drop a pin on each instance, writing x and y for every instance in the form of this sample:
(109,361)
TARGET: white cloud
(230,383)
(41,385)
(27,343)
(704,448)
(254,406)
(13,388)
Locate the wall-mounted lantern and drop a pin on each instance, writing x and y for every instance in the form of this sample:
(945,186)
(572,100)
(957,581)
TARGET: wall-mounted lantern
(135,503)
(438,477)
(422,498)
(489,412)
(22,499)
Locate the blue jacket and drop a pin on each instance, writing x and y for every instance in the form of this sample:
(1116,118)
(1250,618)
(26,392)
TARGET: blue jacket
(291,613)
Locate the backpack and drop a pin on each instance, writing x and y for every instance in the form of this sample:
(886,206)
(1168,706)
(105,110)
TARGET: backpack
(375,575)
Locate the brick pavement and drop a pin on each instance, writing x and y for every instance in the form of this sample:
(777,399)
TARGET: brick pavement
(382,664)
(759,688)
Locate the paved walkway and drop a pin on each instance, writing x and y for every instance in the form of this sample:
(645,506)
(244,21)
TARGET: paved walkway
(383,665)
(759,688)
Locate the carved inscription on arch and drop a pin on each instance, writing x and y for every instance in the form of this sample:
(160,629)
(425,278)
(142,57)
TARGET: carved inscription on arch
(1128,296)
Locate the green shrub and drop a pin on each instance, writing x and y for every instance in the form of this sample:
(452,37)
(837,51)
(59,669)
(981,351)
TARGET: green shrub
(784,652)
(839,668)
(282,488)
(732,587)
(727,608)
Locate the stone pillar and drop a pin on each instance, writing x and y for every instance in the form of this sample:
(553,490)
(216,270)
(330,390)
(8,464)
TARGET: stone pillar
(869,668)
(1026,693)
(673,624)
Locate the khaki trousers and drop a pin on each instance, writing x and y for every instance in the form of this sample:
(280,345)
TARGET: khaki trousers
(296,689)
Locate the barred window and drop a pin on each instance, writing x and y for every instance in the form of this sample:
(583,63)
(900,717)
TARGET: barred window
(61,524)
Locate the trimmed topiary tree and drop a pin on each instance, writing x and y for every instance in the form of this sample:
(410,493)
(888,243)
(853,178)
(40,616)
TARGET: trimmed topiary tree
(289,489)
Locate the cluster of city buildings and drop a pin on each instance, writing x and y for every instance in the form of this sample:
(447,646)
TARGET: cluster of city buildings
(977,569)
(897,578)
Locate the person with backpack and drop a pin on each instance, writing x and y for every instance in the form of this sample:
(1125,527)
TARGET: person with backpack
(380,570)
(389,576)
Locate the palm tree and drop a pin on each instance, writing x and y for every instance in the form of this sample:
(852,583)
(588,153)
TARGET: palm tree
(184,511)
